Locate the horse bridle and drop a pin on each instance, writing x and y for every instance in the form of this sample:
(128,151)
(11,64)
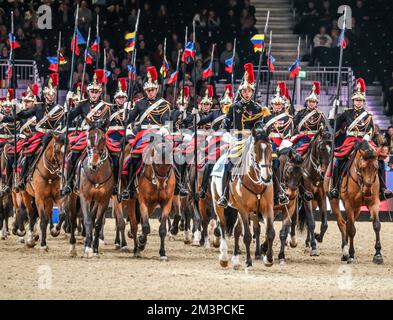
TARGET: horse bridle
(258,171)
(316,164)
(103,157)
(360,182)
(155,176)
(53,168)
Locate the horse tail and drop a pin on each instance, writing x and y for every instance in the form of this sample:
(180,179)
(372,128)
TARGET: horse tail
(230,218)
(301,216)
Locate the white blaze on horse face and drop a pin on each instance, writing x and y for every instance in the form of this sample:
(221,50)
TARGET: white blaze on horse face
(263,165)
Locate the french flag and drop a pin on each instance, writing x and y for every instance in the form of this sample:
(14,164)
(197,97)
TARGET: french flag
(341,40)
(270,62)
(207,73)
(173,77)
(229,65)
(52,64)
(12,41)
(188,53)
(95,47)
(294,69)
(131,72)
(77,41)
(88,57)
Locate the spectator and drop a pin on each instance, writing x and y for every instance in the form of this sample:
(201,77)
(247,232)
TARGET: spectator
(389,139)
(200,18)
(360,13)
(228,53)
(251,10)
(322,39)
(213,22)
(325,16)
(84,16)
(246,20)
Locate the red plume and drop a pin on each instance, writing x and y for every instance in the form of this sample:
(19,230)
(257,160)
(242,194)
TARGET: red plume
(229,88)
(35,88)
(249,67)
(317,86)
(362,84)
(287,94)
(186,92)
(24,94)
(11,94)
(210,90)
(123,84)
(55,79)
(153,73)
(101,77)
(282,87)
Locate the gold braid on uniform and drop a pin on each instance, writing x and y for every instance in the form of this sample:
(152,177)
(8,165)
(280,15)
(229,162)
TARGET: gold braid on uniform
(311,122)
(246,117)
(54,118)
(159,113)
(100,114)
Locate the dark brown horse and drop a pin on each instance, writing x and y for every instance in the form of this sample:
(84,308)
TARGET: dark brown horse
(96,183)
(251,194)
(316,162)
(155,187)
(359,187)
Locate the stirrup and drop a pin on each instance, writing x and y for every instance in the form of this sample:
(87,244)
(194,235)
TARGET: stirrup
(222,202)
(385,194)
(125,195)
(66,191)
(333,194)
(183,192)
(201,194)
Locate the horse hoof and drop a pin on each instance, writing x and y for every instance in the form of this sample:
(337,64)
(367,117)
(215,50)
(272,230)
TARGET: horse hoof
(129,234)
(344,258)
(293,244)
(314,253)
(44,248)
(15,232)
(187,241)
(96,255)
(206,244)
(124,249)
(351,260)
(247,269)
(137,254)
(281,262)
(54,232)
(21,240)
(3,237)
(224,263)
(30,244)
(117,246)
(20,233)
(216,242)
(196,243)
(266,262)
(164,259)
(88,253)
(72,251)
(378,259)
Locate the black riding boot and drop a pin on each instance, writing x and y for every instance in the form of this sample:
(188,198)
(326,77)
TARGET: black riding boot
(334,193)
(223,201)
(23,174)
(8,183)
(280,197)
(115,166)
(384,193)
(183,192)
(205,181)
(132,169)
(67,189)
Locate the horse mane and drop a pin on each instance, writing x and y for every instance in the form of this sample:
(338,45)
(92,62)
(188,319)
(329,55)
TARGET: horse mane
(100,124)
(369,152)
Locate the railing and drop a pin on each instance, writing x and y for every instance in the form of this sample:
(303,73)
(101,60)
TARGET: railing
(25,70)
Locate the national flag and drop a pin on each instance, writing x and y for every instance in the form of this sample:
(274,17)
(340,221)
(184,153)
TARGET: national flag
(164,68)
(52,64)
(188,53)
(130,44)
(207,73)
(294,69)
(341,40)
(88,57)
(270,62)
(77,41)
(9,73)
(173,77)
(229,65)
(95,46)
(131,72)
(258,41)
(62,60)
(12,41)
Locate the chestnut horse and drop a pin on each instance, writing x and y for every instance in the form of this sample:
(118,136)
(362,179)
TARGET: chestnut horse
(251,193)
(316,162)
(42,190)
(155,187)
(359,187)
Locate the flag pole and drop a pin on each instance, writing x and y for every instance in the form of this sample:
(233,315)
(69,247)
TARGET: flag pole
(84,62)
(184,65)
(336,102)
(261,55)
(292,111)
(233,64)
(98,36)
(12,85)
(268,68)
(195,111)
(163,62)
(175,87)
(105,77)
(58,64)
(211,62)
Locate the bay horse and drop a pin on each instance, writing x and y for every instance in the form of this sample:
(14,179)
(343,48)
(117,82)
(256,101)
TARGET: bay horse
(359,187)
(155,187)
(251,194)
(96,181)
(316,162)
(42,190)
(291,163)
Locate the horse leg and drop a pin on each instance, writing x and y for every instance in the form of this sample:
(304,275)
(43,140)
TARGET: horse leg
(120,227)
(176,209)
(88,225)
(324,222)
(98,227)
(162,230)
(70,211)
(341,223)
(310,228)
(293,242)
(130,208)
(374,211)
(236,252)
(270,234)
(45,209)
(247,237)
(351,231)
(142,240)
(257,235)
(283,238)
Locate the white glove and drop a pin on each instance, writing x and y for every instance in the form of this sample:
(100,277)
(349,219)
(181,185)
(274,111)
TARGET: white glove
(1,117)
(331,114)
(285,144)
(367,137)
(227,137)
(69,95)
(163,131)
(194,111)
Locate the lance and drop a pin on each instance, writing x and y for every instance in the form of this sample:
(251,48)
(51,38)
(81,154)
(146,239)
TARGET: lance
(292,111)
(336,102)
(163,63)
(98,36)
(105,77)
(184,65)
(261,55)
(233,64)
(268,68)
(128,106)
(85,62)
(196,112)
(211,61)
(67,103)
(58,63)
(11,84)
(175,88)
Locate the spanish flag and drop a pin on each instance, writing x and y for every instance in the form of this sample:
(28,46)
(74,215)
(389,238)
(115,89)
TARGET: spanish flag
(130,44)
(258,41)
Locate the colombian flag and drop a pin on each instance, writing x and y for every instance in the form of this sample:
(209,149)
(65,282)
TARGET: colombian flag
(207,73)
(12,41)
(258,41)
(229,65)
(130,44)
(188,53)
(173,77)
(294,69)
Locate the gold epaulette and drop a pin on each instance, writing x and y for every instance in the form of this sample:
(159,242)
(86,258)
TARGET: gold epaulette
(265,111)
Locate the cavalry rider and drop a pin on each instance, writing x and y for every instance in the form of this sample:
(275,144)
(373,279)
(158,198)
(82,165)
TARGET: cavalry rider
(118,109)
(48,116)
(7,137)
(214,120)
(90,110)
(308,121)
(149,115)
(242,116)
(179,118)
(280,127)
(355,125)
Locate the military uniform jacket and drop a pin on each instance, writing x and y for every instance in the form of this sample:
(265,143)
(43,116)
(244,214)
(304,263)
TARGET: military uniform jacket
(364,125)
(180,119)
(7,128)
(243,116)
(305,123)
(157,117)
(279,124)
(117,117)
(85,108)
(212,120)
